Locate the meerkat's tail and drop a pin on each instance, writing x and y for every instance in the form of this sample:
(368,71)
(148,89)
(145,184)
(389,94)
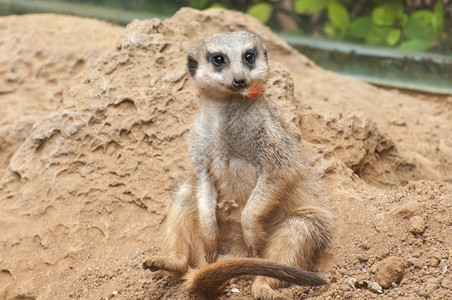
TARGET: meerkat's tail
(209,280)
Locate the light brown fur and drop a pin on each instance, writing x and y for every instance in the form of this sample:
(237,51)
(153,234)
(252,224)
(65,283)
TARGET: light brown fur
(253,194)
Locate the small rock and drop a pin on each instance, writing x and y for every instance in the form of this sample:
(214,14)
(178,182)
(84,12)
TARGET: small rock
(366,245)
(432,285)
(417,224)
(398,122)
(353,282)
(375,287)
(112,295)
(447,283)
(371,285)
(390,270)
(362,258)
(424,293)
(384,253)
(380,222)
(434,262)
(407,210)
(235,290)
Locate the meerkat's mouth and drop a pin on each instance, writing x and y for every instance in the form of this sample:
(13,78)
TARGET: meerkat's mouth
(237,89)
(241,90)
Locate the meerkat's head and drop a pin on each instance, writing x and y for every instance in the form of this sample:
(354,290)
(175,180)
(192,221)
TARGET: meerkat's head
(226,64)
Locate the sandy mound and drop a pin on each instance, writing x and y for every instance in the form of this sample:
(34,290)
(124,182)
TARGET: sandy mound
(84,194)
(40,54)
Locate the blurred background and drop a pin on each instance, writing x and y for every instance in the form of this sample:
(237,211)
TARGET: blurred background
(400,43)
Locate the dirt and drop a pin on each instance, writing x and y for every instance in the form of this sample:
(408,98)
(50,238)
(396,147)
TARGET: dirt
(93,129)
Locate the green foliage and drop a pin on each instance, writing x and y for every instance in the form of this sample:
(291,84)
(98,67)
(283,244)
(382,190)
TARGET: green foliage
(423,15)
(339,20)
(199,4)
(393,36)
(438,20)
(383,15)
(407,25)
(415,45)
(418,30)
(261,11)
(360,27)
(378,35)
(310,6)
(389,15)
(384,23)
(296,31)
(217,5)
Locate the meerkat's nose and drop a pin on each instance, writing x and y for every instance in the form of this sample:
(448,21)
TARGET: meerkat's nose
(238,82)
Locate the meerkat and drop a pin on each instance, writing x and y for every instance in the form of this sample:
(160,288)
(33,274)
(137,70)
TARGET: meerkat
(253,206)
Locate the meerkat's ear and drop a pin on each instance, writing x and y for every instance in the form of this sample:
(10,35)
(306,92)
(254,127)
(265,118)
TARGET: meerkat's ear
(192,65)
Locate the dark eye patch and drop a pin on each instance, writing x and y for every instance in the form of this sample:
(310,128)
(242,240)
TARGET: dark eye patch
(217,59)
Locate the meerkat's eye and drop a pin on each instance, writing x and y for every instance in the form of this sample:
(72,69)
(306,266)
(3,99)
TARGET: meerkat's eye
(218,60)
(250,57)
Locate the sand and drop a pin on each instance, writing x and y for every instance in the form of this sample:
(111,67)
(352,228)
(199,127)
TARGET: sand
(94,126)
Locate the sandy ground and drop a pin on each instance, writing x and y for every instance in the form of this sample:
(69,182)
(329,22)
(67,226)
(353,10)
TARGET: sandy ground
(94,125)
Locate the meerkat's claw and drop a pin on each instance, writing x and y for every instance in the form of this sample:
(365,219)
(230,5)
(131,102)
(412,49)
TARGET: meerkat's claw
(252,252)
(151,265)
(210,255)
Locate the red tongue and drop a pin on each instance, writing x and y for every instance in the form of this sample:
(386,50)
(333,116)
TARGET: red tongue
(255,90)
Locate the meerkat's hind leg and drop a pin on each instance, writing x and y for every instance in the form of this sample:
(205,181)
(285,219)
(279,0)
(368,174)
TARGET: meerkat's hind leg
(299,241)
(180,240)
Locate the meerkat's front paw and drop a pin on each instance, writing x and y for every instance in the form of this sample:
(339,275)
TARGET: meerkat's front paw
(250,244)
(252,236)
(211,252)
(211,246)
